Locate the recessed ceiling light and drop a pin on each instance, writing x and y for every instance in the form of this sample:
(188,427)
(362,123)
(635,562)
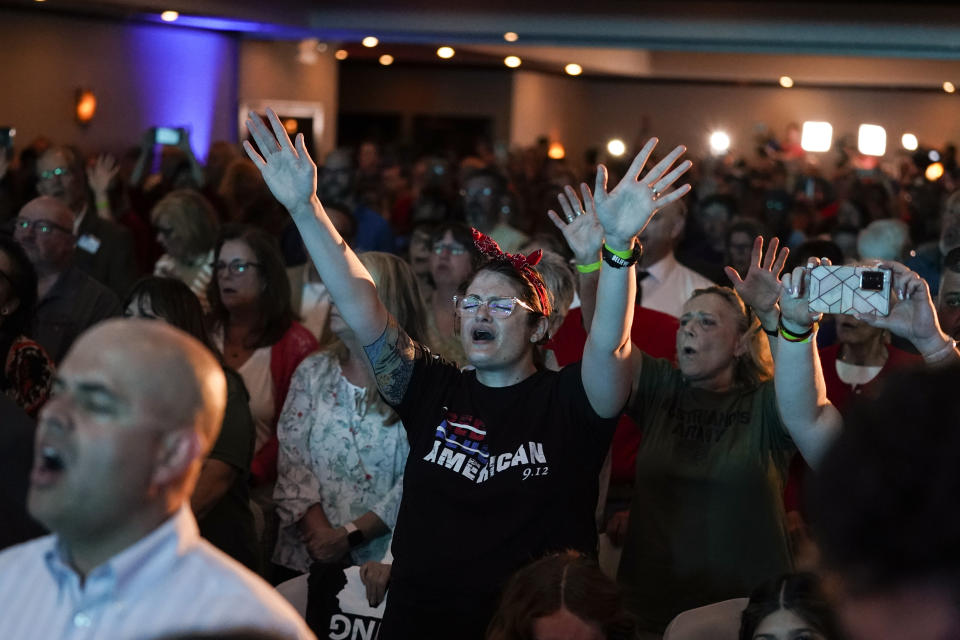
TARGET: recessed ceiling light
(512,61)
(386,59)
(510,36)
(909,142)
(341,54)
(616,147)
(573,69)
(948,87)
(786,82)
(169,16)
(445,52)
(369,42)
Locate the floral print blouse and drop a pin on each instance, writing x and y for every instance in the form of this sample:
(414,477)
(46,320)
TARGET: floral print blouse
(336,450)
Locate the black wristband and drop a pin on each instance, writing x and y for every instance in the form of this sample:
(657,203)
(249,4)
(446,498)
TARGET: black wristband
(617,262)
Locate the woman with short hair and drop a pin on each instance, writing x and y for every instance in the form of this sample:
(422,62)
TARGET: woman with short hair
(186,226)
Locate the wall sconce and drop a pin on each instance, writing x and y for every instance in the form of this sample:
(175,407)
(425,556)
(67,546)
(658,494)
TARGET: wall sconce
(86,106)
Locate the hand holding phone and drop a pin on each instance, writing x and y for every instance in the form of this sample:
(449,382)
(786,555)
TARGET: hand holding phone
(849,290)
(167,135)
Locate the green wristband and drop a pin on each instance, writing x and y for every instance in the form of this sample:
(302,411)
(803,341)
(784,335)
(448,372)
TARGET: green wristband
(626,254)
(589,268)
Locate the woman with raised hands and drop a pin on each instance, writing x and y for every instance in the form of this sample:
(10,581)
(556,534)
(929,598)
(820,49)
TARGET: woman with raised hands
(504,458)
(706,521)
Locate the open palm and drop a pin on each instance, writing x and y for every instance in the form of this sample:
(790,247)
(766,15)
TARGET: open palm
(287,169)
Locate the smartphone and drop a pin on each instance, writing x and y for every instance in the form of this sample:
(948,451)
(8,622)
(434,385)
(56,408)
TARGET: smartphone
(7,134)
(849,290)
(167,135)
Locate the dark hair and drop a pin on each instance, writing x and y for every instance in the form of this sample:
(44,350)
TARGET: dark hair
(951,261)
(796,592)
(173,301)
(462,234)
(749,226)
(567,580)
(884,501)
(23,278)
(813,249)
(276,312)
(728,202)
(350,233)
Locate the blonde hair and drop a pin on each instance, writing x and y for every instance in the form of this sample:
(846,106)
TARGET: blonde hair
(399,291)
(756,364)
(191,216)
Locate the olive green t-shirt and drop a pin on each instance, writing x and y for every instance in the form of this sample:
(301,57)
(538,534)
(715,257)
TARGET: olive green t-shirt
(707,519)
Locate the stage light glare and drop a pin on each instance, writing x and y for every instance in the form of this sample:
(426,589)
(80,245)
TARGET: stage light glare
(510,36)
(573,69)
(786,82)
(909,142)
(445,52)
(816,136)
(341,54)
(556,151)
(719,142)
(512,61)
(369,42)
(872,140)
(386,59)
(934,172)
(616,147)
(169,16)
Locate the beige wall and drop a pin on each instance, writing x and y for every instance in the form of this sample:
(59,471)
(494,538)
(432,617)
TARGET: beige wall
(270,71)
(142,75)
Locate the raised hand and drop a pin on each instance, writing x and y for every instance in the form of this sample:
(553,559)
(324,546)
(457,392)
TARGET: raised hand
(582,229)
(912,314)
(102,173)
(794,310)
(760,288)
(286,168)
(625,210)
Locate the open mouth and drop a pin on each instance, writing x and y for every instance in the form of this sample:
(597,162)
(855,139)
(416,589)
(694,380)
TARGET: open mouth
(688,351)
(48,466)
(482,335)
(228,290)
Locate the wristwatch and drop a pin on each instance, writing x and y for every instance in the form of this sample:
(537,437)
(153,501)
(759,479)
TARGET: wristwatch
(354,535)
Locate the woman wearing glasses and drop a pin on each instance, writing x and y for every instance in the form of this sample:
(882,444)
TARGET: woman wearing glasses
(504,458)
(255,330)
(453,257)
(186,226)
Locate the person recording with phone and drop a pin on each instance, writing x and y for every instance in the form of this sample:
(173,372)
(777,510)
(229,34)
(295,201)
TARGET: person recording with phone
(707,519)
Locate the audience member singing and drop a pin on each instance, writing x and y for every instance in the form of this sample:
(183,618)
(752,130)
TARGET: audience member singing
(119,447)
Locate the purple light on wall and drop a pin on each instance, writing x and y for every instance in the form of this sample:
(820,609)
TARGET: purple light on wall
(187,78)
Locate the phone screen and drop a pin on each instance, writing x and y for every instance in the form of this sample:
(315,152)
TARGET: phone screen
(167,135)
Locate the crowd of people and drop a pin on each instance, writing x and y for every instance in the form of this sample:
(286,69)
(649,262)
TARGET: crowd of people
(501,397)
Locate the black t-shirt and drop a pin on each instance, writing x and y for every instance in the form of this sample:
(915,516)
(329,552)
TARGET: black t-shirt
(496,478)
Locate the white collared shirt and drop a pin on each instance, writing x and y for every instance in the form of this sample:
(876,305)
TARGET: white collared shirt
(170,582)
(669,284)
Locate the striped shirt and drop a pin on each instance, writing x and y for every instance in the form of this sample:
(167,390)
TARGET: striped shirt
(170,582)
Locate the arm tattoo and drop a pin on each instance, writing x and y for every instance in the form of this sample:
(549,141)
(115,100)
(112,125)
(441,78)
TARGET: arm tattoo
(392,357)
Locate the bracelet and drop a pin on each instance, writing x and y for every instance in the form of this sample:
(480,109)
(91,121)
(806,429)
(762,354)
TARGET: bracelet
(589,268)
(942,353)
(622,259)
(789,336)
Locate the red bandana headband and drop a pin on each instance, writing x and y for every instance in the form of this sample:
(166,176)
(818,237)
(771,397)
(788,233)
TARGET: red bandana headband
(521,263)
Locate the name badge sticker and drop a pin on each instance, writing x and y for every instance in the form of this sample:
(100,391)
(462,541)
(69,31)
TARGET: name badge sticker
(89,243)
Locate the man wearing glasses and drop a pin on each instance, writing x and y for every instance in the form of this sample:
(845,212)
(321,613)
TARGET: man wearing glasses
(104,249)
(68,300)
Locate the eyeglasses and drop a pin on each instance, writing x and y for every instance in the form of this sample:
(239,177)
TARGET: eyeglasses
(454,249)
(39,226)
(54,173)
(499,307)
(236,267)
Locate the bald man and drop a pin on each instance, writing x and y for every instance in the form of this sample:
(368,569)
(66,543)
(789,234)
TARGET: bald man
(137,406)
(68,300)
(664,284)
(104,249)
